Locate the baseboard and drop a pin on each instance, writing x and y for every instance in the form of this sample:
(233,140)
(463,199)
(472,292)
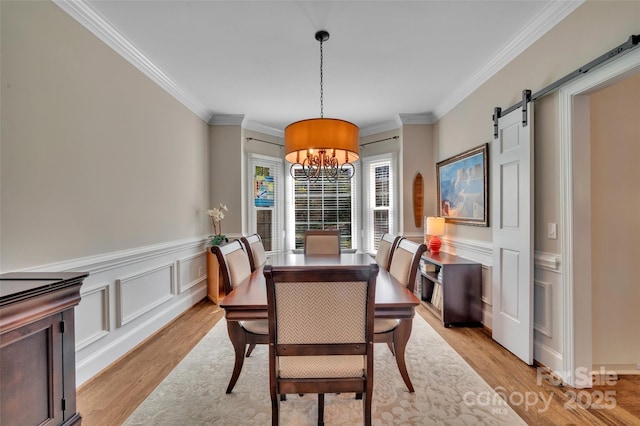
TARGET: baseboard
(102,358)
(548,357)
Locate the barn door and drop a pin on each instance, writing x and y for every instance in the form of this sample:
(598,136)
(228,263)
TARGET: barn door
(512,223)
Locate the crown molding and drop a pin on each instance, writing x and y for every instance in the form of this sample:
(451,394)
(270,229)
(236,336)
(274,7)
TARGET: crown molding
(538,26)
(419,118)
(82,12)
(245,123)
(262,128)
(226,119)
(381,127)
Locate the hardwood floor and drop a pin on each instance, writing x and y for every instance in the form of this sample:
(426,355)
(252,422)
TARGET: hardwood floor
(109,398)
(518,383)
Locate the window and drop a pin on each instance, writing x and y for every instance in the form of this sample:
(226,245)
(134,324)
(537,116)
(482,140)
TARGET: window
(266,201)
(322,205)
(379,199)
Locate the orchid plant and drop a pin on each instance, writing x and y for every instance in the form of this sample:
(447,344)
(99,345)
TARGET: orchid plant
(216,215)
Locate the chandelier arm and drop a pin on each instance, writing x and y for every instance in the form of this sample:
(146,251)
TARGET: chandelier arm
(331,168)
(346,166)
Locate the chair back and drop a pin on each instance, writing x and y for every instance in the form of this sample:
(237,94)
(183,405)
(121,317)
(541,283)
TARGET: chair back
(326,241)
(255,249)
(321,330)
(234,264)
(386,247)
(405,262)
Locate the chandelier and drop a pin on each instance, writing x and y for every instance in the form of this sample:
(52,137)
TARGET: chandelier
(321,146)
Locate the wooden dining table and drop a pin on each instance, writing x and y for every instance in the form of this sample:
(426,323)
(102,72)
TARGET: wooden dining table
(248,301)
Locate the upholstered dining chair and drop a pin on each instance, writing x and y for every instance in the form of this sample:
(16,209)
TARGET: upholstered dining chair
(254,247)
(326,241)
(257,258)
(235,268)
(395,333)
(386,247)
(320,347)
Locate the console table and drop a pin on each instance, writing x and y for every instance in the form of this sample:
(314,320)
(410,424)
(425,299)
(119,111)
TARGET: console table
(37,348)
(452,288)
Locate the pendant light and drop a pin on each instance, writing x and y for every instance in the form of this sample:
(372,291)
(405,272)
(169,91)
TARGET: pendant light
(321,146)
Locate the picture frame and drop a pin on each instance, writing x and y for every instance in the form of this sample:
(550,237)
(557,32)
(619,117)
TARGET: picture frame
(462,183)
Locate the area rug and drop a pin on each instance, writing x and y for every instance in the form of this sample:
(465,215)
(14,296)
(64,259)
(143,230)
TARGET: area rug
(447,390)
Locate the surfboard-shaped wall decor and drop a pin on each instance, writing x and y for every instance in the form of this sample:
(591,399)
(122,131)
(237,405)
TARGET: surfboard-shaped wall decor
(418,200)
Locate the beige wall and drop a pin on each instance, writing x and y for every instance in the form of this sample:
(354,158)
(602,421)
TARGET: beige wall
(594,28)
(417,157)
(95,156)
(226,174)
(615,230)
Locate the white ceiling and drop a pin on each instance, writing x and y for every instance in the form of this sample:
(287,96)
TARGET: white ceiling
(259,60)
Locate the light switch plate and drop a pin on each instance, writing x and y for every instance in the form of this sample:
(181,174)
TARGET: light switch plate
(552,231)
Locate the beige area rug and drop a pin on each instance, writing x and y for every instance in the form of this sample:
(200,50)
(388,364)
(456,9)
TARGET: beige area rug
(447,390)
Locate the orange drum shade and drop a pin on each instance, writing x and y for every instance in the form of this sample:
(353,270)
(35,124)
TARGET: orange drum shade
(315,134)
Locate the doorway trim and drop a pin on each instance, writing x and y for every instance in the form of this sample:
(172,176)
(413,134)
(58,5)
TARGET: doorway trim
(575,214)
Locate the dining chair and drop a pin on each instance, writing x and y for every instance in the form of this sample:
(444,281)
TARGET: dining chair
(386,247)
(394,332)
(257,257)
(235,268)
(255,249)
(320,347)
(321,241)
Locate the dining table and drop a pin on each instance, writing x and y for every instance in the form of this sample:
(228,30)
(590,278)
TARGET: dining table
(248,301)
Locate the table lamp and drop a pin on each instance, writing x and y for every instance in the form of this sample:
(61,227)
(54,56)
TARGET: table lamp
(435,228)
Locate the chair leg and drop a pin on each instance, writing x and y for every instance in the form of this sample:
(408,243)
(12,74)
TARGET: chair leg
(320,409)
(275,409)
(366,406)
(390,345)
(237,337)
(400,337)
(252,346)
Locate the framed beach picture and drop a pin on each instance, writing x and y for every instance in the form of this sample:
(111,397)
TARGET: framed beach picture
(462,187)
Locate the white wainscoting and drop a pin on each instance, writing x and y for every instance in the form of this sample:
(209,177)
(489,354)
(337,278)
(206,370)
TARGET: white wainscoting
(130,295)
(547,295)
(547,334)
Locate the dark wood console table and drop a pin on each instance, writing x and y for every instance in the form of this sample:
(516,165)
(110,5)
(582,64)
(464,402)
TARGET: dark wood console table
(37,348)
(452,288)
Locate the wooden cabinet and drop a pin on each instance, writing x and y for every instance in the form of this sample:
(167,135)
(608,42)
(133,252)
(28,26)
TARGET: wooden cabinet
(452,288)
(215,292)
(37,348)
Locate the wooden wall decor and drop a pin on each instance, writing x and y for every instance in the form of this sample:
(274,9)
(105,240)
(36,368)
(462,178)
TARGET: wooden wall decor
(418,200)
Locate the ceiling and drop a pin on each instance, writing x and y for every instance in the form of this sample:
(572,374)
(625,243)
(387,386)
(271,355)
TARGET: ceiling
(258,62)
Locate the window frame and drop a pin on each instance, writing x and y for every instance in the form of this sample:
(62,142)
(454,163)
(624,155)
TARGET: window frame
(279,226)
(369,242)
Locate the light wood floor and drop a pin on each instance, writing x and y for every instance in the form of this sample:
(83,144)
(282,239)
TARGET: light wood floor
(109,398)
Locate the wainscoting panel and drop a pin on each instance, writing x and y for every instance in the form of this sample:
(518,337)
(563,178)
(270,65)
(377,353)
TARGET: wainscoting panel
(129,295)
(140,293)
(487,312)
(94,311)
(542,307)
(191,271)
(547,295)
(547,308)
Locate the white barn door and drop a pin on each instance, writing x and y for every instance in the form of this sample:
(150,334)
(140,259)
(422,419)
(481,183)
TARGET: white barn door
(512,223)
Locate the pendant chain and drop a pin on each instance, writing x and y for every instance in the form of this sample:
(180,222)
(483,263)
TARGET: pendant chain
(321,89)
